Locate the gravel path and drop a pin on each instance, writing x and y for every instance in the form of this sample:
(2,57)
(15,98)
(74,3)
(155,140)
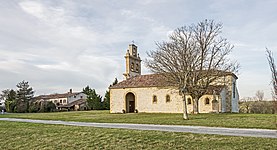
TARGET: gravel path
(265,133)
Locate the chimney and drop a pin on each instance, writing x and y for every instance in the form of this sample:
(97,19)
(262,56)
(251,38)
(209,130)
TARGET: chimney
(70,90)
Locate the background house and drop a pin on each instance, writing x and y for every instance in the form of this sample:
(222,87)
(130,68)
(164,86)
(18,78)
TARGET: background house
(64,99)
(80,104)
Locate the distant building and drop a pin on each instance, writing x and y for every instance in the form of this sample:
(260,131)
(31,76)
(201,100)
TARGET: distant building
(150,93)
(63,99)
(80,104)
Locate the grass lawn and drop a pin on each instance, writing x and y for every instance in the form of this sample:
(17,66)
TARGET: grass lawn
(15,135)
(263,121)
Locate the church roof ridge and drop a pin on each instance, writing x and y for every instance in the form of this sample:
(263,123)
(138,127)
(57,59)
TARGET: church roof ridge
(149,80)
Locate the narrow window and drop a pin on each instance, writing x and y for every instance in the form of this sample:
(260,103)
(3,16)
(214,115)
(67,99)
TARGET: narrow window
(64,101)
(155,100)
(189,101)
(61,101)
(207,101)
(137,67)
(167,98)
(234,89)
(81,96)
(132,66)
(134,51)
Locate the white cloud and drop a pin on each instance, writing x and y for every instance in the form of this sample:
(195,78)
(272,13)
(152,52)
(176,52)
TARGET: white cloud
(57,45)
(33,8)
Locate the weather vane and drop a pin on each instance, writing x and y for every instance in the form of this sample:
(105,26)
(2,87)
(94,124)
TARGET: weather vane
(133,41)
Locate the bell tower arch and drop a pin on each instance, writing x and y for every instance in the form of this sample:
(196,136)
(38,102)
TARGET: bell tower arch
(133,62)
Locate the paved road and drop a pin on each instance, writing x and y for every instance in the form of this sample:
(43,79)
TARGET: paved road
(170,128)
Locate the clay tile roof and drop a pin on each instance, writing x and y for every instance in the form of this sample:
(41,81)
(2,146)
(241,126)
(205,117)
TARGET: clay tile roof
(156,80)
(53,96)
(150,80)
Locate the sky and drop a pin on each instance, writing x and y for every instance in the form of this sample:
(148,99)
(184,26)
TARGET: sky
(57,45)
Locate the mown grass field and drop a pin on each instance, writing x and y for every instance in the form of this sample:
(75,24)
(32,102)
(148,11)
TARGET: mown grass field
(263,121)
(15,135)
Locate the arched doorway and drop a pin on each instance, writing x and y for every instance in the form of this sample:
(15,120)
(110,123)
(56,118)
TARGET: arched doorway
(130,102)
(215,105)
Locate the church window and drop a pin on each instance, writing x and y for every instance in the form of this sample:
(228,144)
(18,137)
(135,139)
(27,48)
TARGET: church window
(155,100)
(55,101)
(167,98)
(189,101)
(61,101)
(234,89)
(64,101)
(207,101)
(134,52)
(137,67)
(132,66)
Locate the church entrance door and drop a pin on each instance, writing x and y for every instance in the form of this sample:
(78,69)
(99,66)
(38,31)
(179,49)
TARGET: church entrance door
(215,105)
(130,103)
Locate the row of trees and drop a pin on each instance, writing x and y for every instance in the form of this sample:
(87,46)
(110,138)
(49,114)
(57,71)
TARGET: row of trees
(256,104)
(22,100)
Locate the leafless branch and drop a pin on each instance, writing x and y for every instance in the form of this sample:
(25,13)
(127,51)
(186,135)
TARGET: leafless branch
(273,72)
(194,57)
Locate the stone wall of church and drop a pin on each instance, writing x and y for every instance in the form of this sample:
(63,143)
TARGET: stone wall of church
(232,95)
(203,106)
(144,101)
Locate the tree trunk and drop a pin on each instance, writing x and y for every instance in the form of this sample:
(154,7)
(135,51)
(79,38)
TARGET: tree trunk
(195,105)
(185,116)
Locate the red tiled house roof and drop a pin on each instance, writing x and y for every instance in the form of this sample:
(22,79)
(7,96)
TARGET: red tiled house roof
(157,80)
(150,80)
(54,96)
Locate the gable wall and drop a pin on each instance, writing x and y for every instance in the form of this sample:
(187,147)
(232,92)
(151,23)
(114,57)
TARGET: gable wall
(230,101)
(76,97)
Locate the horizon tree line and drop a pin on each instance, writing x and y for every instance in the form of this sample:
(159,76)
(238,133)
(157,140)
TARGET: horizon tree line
(22,99)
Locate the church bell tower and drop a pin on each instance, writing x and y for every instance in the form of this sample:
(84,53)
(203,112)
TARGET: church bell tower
(133,62)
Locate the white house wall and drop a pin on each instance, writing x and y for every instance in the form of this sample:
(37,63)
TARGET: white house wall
(61,101)
(76,97)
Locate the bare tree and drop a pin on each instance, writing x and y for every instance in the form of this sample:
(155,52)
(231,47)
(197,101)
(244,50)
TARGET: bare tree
(193,58)
(260,95)
(274,78)
(273,71)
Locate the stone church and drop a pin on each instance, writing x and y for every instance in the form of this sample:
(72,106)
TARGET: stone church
(149,93)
